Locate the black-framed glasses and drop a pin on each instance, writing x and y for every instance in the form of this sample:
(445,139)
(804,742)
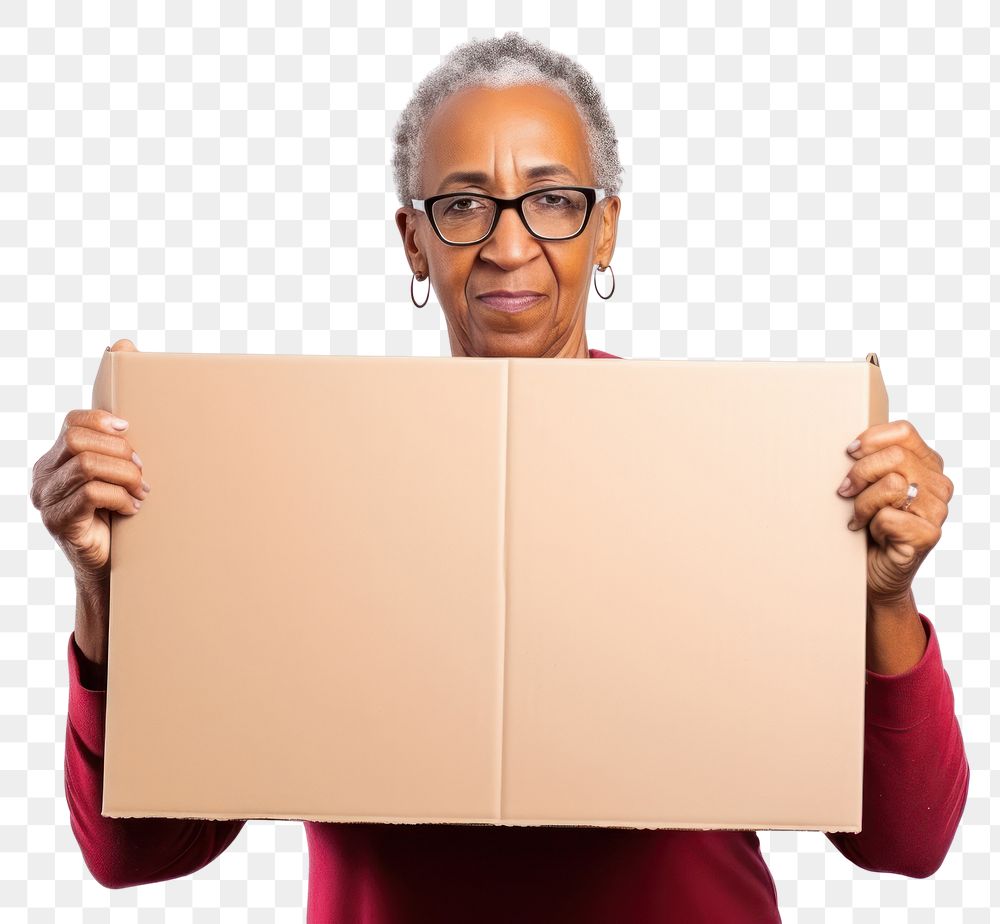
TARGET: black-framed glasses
(555,213)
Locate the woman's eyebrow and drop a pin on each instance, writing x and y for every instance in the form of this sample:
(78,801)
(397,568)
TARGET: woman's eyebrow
(542,170)
(533,173)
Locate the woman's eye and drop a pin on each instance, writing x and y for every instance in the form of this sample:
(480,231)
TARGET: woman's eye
(553,201)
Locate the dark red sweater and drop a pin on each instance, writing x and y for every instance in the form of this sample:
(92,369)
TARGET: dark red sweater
(916,780)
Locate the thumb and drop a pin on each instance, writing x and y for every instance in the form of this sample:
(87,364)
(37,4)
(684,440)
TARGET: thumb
(126,345)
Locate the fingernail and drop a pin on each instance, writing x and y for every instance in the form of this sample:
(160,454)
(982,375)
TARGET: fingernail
(844,486)
(146,487)
(138,503)
(118,423)
(852,523)
(854,444)
(136,459)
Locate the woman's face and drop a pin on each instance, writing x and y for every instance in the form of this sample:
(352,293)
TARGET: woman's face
(503,134)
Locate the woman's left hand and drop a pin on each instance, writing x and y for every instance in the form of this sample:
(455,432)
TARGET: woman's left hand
(890,457)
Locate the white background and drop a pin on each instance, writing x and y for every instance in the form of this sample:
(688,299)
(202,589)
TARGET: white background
(807,181)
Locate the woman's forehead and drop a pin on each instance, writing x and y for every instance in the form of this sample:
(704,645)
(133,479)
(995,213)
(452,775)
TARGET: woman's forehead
(503,134)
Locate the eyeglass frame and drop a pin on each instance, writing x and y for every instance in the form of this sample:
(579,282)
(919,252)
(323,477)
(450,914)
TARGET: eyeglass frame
(594,194)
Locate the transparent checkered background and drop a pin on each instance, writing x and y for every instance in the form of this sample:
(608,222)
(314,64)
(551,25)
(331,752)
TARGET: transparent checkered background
(804,181)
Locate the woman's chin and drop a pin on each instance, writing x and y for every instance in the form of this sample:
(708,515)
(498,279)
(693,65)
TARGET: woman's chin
(511,345)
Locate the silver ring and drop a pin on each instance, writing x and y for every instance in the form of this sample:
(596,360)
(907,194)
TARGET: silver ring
(911,493)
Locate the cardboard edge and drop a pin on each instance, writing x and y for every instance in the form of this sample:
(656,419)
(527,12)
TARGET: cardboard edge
(878,396)
(104,397)
(489,822)
(878,412)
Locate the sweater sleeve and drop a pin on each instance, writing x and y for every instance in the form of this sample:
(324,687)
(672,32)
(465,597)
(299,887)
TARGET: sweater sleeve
(121,852)
(916,774)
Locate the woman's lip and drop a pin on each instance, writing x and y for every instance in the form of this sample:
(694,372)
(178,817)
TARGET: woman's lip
(509,303)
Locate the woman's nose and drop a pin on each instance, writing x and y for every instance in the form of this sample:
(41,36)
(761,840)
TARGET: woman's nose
(510,238)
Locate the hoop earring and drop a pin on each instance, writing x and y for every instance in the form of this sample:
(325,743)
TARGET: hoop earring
(603,269)
(427,296)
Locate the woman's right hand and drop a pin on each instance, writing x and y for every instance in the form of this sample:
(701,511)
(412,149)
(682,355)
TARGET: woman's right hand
(90,470)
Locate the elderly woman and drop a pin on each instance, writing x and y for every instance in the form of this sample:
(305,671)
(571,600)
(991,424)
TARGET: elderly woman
(507,167)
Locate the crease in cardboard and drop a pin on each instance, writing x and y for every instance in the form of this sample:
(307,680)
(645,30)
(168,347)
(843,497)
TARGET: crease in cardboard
(505,539)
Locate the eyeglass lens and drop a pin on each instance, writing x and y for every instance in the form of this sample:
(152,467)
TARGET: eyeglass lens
(465,218)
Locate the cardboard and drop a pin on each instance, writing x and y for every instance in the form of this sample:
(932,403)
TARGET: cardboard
(486,590)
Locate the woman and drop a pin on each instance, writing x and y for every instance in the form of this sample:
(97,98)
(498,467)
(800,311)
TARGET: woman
(507,168)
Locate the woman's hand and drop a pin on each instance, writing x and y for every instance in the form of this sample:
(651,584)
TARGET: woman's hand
(89,471)
(890,457)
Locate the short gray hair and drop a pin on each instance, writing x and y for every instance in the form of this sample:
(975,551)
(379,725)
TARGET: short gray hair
(502,62)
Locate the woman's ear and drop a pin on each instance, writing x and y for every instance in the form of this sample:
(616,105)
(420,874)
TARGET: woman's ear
(608,231)
(406,222)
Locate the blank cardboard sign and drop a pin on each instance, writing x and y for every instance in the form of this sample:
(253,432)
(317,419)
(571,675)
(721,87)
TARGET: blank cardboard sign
(485,590)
